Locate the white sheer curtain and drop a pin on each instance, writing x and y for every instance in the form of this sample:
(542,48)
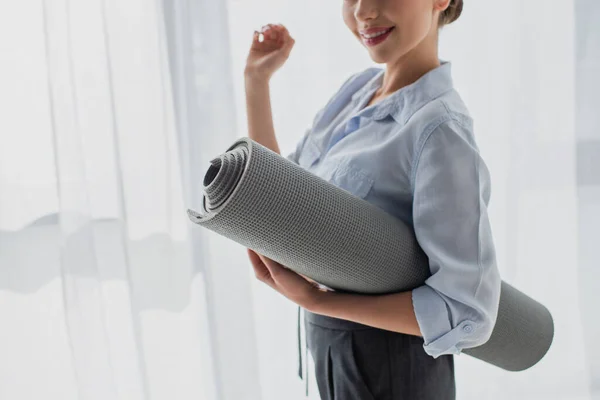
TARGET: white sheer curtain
(105,291)
(109,113)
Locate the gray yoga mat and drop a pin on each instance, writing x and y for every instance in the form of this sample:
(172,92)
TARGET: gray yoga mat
(267,203)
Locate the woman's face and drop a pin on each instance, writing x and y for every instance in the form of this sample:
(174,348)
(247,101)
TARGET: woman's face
(405,23)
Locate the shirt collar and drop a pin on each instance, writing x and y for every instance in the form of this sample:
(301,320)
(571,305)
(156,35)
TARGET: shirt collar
(404,102)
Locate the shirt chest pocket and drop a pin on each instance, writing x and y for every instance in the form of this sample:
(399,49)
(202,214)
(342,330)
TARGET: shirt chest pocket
(344,173)
(350,177)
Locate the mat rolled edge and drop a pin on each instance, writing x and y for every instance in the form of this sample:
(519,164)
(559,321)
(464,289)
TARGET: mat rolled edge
(519,318)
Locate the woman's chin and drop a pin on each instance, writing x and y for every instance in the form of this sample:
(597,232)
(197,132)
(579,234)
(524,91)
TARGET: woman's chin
(379,57)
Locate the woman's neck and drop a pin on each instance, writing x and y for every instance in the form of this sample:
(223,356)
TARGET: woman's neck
(410,67)
(404,75)
(397,78)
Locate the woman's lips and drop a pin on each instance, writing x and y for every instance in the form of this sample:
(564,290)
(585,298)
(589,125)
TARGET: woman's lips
(373,41)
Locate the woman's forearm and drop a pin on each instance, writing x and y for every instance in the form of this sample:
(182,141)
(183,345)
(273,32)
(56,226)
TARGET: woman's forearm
(258,108)
(393,312)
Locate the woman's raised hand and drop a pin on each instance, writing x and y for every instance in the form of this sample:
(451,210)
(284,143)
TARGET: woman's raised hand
(269,51)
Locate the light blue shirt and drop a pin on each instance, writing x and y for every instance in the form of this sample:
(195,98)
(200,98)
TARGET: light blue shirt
(414,155)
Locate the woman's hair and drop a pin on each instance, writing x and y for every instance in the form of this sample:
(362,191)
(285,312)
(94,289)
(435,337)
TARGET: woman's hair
(451,13)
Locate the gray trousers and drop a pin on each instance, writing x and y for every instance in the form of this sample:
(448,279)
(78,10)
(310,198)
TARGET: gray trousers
(360,362)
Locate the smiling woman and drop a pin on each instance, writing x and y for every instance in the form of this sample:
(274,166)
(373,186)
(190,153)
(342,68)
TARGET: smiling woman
(397,30)
(406,118)
(524,114)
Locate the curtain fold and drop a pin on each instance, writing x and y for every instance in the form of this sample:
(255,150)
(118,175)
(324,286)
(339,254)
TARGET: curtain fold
(197,36)
(102,294)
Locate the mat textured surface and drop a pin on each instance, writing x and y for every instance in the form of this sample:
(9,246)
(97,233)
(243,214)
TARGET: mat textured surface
(267,203)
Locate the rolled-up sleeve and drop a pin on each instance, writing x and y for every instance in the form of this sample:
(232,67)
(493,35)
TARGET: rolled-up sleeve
(457,306)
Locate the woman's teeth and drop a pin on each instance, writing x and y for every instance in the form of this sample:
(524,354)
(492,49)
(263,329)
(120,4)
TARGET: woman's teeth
(374,35)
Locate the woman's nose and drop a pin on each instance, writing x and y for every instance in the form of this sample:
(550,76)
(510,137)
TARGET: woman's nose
(366,10)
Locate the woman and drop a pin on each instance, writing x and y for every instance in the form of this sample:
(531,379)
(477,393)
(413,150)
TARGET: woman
(407,136)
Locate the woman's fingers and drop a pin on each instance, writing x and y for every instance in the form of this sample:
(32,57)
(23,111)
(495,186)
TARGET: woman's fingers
(288,45)
(269,31)
(275,33)
(284,33)
(262,43)
(260,270)
(283,29)
(256,37)
(273,37)
(287,39)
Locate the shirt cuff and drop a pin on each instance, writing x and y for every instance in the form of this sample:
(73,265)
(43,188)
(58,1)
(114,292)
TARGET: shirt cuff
(433,317)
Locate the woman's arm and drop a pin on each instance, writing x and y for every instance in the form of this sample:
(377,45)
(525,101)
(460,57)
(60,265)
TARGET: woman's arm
(258,107)
(264,59)
(392,312)
(457,306)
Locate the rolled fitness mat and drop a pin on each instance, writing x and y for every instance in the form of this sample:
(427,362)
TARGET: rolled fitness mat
(273,206)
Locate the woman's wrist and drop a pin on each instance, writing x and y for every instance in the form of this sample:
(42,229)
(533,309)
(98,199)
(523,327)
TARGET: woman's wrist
(255,78)
(318,301)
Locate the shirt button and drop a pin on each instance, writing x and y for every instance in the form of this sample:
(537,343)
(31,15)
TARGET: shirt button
(468,328)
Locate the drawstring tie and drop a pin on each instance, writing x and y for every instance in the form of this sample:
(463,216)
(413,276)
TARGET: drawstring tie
(300,354)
